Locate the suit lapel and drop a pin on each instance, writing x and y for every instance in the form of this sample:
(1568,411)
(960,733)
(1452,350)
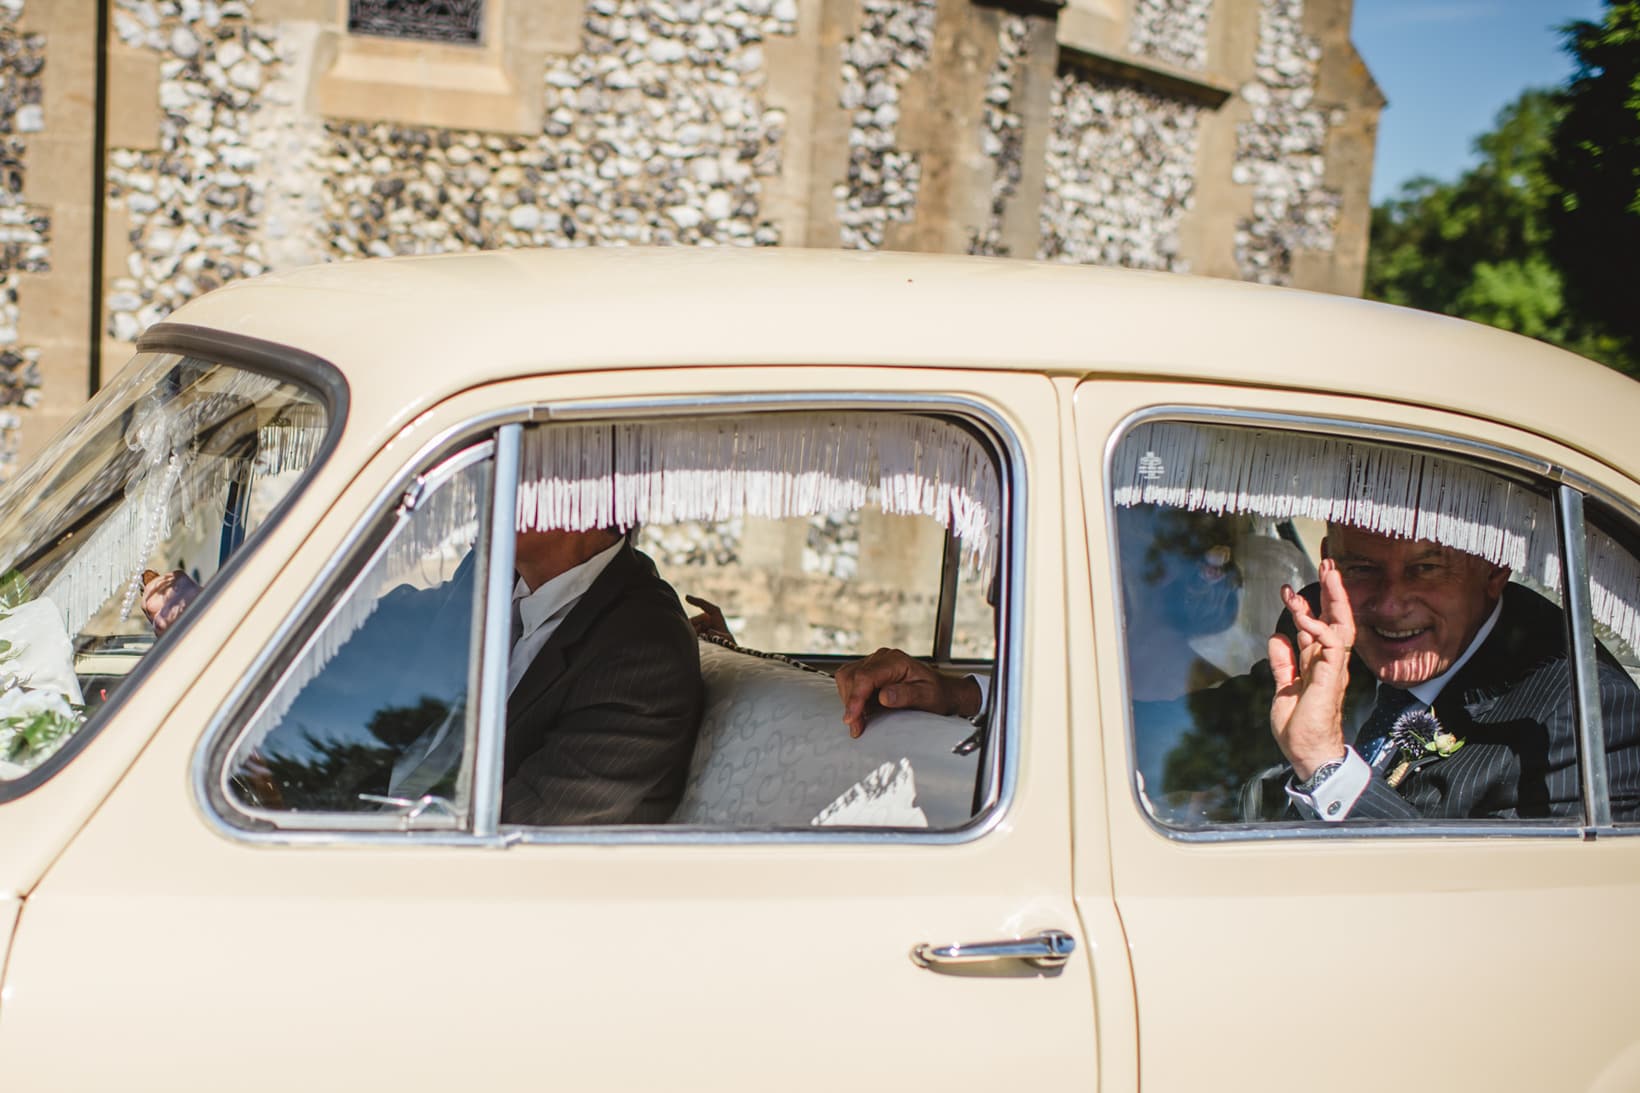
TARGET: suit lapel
(553,660)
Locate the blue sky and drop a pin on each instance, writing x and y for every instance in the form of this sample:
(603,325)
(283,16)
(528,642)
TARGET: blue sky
(1447,67)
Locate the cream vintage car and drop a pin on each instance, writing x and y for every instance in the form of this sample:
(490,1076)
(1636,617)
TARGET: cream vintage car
(1081,487)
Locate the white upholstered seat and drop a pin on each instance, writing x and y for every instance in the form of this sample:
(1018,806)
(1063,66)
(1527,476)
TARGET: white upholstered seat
(773,753)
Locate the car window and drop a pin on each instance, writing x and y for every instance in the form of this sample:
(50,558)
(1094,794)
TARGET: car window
(370,724)
(158,483)
(1451,568)
(830,584)
(1614,585)
(820,536)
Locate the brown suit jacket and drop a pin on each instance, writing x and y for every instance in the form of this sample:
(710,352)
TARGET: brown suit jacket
(601,728)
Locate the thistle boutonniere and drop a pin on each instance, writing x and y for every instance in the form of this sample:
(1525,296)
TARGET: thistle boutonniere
(1418,734)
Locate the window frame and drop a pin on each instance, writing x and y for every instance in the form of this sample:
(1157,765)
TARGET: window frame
(312,374)
(357,562)
(495,79)
(1000,776)
(1566,489)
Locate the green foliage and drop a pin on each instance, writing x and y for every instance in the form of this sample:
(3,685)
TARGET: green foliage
(36,736)
(321,774)
(1480,247)
(34,724)
(1522,296)
(1594,170)
(14,591)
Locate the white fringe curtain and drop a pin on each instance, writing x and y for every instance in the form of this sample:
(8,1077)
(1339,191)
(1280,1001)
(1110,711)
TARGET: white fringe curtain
(1614,587)
(290,441)
(170,480)
(424,550)
(779,465)
(1376,487)
(113,557)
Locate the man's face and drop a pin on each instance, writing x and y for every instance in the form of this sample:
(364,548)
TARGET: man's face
(1417,605)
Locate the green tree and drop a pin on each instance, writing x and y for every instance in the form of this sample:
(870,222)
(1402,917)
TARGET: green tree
(1479,247)
(1595,171)
(327,775)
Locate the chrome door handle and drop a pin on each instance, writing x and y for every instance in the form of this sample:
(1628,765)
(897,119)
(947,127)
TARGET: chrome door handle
(1048,949)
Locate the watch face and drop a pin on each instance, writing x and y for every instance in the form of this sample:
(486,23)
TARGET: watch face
(1321,774)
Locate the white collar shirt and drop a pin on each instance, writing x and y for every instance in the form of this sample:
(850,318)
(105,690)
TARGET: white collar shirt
(545,609)
(1429,690)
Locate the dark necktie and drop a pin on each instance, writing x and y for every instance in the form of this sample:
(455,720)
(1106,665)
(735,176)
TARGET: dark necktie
(1390,704)
(517,630)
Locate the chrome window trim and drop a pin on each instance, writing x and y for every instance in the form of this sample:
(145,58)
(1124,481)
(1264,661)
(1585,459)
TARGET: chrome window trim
(1553,475)
(489,681)
(1287,831)
(298,820)
(1009,654)
(445,443)
(1591,744)
(1625,510)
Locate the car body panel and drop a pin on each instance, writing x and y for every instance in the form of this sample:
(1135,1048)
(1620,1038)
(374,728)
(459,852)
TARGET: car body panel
(1436,951)
(186,953)
(614,964)
(10,908)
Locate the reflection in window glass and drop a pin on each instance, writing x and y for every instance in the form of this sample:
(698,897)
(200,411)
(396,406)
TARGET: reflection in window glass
(373,715)
(1458,700)
(133,509)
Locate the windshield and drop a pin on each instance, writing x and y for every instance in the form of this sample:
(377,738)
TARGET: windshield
(130,512)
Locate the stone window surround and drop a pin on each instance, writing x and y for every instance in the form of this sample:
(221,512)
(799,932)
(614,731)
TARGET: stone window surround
(1094,34)
(1159,76)
(494,86)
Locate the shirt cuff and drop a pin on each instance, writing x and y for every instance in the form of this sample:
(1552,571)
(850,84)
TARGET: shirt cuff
(978,719)
(1338,792)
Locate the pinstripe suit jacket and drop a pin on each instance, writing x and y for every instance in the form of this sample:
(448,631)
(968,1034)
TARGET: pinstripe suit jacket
(602,725)
(1511,704)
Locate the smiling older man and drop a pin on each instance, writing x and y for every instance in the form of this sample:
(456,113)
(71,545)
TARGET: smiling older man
(1416,680)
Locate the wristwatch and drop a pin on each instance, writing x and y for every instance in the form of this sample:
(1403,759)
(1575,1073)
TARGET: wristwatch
(1326,770)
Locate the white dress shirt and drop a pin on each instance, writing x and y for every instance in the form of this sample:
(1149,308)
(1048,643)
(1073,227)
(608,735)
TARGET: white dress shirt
(1333,799)
(545,609)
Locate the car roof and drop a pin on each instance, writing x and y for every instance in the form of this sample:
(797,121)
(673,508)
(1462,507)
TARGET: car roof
(407,332)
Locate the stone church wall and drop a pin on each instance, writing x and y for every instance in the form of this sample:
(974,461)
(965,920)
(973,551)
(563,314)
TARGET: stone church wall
(196,142)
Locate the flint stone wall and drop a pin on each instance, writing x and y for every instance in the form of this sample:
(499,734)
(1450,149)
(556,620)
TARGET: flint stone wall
(25,228)
(1172,31)
(655,132)
(932,124)
(1121,175)
(1281,152)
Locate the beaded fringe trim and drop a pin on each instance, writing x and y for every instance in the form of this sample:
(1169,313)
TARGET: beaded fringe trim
(584,476)
(1393,491)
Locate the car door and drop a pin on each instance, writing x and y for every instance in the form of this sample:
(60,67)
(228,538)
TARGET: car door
(190,953)
(1440,954)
